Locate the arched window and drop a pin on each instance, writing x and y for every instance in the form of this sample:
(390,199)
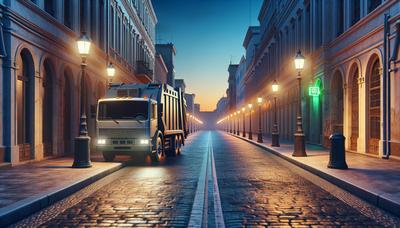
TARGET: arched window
(354,110)
(374,107)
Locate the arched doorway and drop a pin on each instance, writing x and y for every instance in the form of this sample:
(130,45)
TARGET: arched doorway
(48,108)
(374,107)
(66,110)
(25,104)
(354,108)
(336,101)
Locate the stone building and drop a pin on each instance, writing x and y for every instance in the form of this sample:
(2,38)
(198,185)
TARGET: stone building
(160,70)
(349,67)
(232,86)
(168,52)
(40,73)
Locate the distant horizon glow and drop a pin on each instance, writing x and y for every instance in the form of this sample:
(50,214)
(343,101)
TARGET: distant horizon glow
(208,35)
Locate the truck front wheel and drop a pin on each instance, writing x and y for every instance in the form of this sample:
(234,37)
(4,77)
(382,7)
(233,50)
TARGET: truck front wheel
(158,153)
(108,156)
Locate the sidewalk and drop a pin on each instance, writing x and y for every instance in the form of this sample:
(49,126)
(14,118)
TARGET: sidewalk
(373,179)
(28,188)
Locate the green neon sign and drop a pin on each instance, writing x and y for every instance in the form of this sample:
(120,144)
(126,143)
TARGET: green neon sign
(313,91)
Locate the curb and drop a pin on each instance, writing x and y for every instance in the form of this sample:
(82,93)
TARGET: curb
(377,199)
(21,209)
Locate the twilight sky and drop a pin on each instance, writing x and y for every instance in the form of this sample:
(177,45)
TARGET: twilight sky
(207,34)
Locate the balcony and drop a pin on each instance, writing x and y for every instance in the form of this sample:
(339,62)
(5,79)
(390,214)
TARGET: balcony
(143,71)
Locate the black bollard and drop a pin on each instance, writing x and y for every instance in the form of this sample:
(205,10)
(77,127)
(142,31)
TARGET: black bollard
(337,155)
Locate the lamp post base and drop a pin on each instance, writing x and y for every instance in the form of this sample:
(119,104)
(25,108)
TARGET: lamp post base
(299,146)
(82,152)
(244,134)
(275,139)
(250,135)
(238,132)
(259,137)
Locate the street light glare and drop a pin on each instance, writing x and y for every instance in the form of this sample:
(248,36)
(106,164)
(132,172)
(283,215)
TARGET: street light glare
(299,61)
(110,70)
(259,100)
(275,86)
(84,44)
(243,109)
(250,105)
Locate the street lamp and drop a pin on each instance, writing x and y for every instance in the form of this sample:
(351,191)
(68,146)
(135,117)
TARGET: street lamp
(244,122)
(250,131)
(238,123)
(234,123)
(299,142)
(82,142)
(275,131)
(110,74)
(231,125)
(259,135)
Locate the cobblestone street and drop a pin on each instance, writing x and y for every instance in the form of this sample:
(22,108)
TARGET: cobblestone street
(255,189)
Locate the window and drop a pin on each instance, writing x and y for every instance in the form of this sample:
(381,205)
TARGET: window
(67,13)
(340,17)
(123,110)
(373,4)
(49,7)
(355,12)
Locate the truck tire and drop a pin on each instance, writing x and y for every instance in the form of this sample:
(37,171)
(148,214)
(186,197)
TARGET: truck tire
(159,151)
(108,156)
(173,146)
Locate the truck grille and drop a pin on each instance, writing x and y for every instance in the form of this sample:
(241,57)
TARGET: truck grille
(122,137)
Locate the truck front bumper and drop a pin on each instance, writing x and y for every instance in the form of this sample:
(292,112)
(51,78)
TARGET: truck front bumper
(125,149)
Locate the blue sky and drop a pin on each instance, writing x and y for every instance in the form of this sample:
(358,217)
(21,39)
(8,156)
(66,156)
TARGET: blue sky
(208,34)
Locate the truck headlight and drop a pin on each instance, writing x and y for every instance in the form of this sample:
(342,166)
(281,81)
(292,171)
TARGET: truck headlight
(144,141)
(101,141)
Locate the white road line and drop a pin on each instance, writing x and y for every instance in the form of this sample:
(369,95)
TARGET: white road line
(219,216)
(196,216)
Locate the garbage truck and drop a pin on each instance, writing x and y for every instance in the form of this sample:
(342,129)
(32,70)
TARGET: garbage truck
(141,120)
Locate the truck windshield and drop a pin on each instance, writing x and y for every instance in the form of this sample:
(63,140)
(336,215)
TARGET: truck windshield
(123,110)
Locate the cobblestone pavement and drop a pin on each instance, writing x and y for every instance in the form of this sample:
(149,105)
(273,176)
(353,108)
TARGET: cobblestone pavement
(255,188)
(145,195)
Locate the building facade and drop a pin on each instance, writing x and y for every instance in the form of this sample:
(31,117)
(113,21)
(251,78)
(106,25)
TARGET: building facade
(180,84)
(240,85)
(349,84)
(231,92)
(168,52)
(40,84)
(160,70)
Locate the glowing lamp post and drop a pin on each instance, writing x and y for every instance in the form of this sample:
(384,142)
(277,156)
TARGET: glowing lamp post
(299,142)
(238,123)
(231,124)
(82,142)
(250,131)
(275,131)
(110,74)
(234,123)
(244,122)
(259,135)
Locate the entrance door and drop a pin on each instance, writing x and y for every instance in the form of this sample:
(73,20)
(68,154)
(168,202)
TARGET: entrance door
(354,111)
(374,108)
(24,103)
